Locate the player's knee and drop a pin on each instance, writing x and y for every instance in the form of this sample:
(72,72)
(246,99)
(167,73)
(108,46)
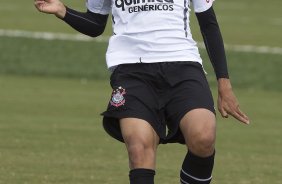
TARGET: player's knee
(203,144)
(136,153)
(140,155)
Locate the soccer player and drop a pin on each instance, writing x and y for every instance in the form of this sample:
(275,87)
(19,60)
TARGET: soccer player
(160,92)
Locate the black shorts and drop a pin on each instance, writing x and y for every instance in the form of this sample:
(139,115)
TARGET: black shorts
(159,93)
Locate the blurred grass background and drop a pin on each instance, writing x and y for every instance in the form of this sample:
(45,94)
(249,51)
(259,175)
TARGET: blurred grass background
(51,94)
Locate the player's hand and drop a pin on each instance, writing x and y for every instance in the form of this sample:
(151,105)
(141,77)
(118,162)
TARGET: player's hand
(55,7)
(227,102)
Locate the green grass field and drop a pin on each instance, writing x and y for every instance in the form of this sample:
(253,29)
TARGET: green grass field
(52,92)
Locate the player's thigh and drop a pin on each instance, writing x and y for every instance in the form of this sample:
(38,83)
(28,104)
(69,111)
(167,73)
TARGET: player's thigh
(198,126)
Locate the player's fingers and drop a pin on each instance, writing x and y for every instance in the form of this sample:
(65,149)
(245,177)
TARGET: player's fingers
(223,112)
(38,3)
(243,115)
(239,117)
(39,6)
(43,6)
(49,1)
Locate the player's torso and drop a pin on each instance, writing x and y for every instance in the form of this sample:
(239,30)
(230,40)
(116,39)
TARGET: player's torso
(149,31)
(144,16)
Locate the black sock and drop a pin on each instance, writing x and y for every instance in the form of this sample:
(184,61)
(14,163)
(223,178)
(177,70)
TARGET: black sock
(141,176)
(196,170)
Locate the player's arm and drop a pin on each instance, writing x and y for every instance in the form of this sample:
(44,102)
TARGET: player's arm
(213,42)
(227,102)
(89,23)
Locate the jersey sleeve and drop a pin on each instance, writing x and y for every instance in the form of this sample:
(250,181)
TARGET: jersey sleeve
(201,5)
(99,6)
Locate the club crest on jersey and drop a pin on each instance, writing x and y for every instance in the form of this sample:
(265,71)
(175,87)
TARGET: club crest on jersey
(118,97)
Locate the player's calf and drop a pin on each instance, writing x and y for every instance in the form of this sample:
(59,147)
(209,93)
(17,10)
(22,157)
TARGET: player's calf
(196,170)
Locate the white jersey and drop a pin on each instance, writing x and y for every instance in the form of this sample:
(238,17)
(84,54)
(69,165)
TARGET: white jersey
(149,31)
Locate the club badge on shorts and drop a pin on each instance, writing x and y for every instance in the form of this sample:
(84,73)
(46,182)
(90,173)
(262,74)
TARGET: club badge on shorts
(118,99)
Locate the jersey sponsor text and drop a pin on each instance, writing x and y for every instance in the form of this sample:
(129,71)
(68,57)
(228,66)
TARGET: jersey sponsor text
(145,5)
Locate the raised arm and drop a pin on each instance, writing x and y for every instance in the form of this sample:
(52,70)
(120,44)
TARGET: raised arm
(88,23)
(227,102)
